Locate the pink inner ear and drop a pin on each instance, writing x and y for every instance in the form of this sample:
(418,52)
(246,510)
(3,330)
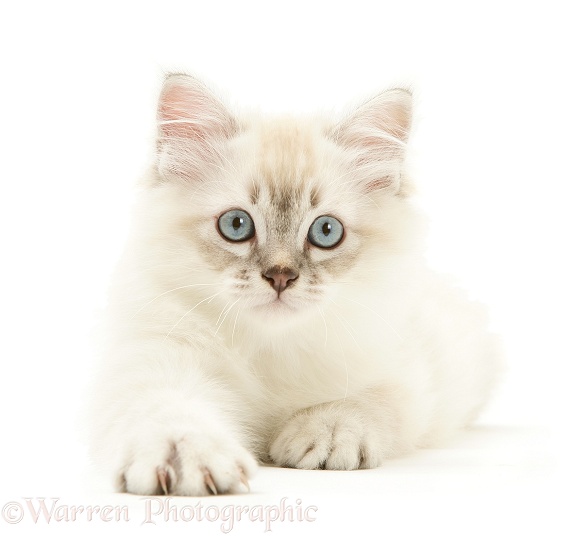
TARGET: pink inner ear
(188,110)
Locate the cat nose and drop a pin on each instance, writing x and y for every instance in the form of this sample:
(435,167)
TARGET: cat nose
(280,277)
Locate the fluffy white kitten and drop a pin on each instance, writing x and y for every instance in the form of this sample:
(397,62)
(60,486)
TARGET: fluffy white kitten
(273,304)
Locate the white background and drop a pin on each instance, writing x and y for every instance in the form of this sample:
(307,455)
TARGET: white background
(491,150)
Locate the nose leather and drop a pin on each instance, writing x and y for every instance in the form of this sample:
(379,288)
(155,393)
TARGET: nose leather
(280,277)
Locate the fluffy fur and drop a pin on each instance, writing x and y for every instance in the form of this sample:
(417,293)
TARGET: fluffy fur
(207,369)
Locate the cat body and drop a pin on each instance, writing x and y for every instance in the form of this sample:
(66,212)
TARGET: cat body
(273,304)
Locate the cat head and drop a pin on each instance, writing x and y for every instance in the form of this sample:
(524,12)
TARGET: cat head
(274,214)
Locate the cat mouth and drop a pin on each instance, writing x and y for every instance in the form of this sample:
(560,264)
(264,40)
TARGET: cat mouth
(280,304)
(277,305)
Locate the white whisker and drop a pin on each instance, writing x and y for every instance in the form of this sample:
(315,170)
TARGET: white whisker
(221,313)
(377,314)
(168,291)
(346,326)
(239,309)
(225,316)
(189,311)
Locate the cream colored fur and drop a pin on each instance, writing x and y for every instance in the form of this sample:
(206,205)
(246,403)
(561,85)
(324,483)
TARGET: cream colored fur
(206,370)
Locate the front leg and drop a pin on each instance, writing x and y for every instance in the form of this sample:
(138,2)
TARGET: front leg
(167,421)
(174,451)
(355,433)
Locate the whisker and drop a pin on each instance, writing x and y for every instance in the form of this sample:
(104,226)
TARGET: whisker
(239,309)
(210,298)
(347,326)
(375,313)
(172,290)
(224,317)
(221,313)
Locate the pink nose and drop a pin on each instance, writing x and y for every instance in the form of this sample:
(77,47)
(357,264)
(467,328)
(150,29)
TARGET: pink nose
(280,277)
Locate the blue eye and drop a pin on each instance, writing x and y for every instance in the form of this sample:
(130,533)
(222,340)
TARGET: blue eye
(236,225)
(325,232)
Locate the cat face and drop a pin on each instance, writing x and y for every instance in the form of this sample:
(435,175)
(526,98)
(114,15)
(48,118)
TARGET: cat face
(280,211)
(279,232)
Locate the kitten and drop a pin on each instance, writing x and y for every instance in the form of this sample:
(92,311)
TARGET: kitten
(273,305)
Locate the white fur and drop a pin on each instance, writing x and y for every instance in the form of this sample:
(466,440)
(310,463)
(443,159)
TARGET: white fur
(198,383)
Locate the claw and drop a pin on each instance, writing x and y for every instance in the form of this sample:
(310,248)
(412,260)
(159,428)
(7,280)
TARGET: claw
(209,481)
(244,479)
(164,480)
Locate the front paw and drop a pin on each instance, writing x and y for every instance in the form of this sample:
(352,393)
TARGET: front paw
(329,436)
(196,463)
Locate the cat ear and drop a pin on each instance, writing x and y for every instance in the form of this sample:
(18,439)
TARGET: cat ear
(377,133)
(192,126)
